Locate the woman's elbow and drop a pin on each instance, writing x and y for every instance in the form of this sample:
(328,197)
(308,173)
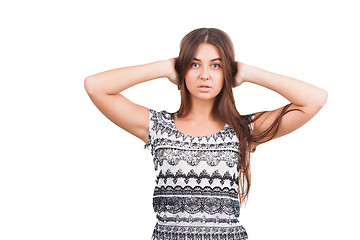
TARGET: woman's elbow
(89,85)
(323,98)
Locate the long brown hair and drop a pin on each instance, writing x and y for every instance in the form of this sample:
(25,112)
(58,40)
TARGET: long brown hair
(224,106)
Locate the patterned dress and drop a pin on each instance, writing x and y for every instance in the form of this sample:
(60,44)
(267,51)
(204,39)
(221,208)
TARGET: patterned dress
(196,192)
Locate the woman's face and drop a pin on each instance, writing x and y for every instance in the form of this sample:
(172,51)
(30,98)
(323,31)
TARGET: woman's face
(205,70)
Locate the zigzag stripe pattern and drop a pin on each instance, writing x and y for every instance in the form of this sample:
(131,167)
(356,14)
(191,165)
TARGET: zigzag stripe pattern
(199,177)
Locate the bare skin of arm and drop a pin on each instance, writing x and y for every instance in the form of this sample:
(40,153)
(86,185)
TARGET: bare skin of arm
(104,90)
(304,96)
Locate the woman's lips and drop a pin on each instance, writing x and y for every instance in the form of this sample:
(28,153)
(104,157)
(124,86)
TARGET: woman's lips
(204,88)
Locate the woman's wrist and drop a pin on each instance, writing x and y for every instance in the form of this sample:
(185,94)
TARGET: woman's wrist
(246,72)
(168,70)
(243,72)
(164,68)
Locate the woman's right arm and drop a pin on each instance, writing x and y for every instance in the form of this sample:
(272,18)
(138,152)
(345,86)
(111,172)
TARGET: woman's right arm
(117,80)
(104,91)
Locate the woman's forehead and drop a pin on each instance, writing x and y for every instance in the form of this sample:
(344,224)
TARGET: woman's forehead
(207,52)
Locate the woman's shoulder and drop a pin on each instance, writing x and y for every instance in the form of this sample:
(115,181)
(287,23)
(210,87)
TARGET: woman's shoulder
(160,115)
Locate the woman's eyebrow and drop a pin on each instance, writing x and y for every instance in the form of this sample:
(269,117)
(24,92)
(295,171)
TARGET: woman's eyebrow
(212,60)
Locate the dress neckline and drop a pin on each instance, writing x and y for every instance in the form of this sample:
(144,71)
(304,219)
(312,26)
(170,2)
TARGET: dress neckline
(173,123)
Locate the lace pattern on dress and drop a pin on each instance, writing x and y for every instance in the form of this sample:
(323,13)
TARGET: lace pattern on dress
(197,190)
(164,232)
(192,205)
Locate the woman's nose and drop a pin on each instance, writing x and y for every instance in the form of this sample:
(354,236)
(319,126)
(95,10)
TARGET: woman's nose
(204,74)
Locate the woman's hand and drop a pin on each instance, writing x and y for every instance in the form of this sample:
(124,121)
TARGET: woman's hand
(239,77)
(172,75)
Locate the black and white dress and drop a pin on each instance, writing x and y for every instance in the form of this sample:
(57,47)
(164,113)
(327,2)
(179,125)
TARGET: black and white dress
(196,192)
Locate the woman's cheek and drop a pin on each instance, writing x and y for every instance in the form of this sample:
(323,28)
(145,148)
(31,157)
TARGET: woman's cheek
(192,74)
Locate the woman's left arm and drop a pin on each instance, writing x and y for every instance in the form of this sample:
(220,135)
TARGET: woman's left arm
(304,96)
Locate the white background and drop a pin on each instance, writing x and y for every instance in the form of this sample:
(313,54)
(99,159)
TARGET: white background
(67,172)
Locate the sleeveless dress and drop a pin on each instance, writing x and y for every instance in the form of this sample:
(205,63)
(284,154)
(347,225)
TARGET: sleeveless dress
(196,192)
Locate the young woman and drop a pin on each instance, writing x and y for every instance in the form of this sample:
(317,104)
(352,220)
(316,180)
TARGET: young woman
(202,151)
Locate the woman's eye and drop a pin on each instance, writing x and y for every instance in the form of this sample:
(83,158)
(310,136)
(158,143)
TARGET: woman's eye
(197,65)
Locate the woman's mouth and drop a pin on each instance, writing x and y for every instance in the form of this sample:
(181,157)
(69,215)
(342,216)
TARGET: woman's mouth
(204,88)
